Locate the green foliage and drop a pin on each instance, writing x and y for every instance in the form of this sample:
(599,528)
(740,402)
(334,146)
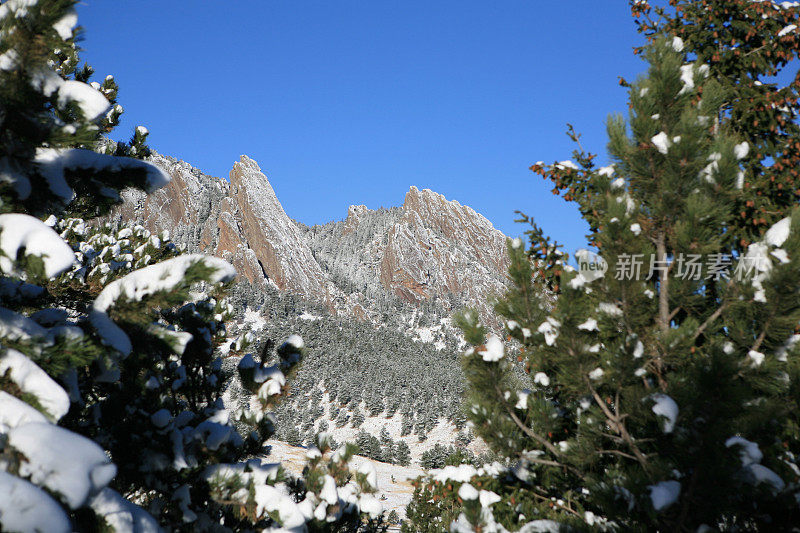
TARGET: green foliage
(659,401)
(748,50)
(109,337)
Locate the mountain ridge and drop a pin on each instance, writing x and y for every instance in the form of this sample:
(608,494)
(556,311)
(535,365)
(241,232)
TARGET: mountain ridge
(429,250)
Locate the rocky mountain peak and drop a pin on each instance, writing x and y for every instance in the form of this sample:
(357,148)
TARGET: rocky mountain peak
(430,249)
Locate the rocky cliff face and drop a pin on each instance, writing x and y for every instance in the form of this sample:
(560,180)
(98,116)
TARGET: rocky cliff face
(440,248)
(430,251)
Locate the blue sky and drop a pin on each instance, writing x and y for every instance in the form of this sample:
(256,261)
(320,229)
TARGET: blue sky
(352,102)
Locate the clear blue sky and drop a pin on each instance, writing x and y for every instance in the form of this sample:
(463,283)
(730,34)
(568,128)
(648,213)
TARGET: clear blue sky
(351,102)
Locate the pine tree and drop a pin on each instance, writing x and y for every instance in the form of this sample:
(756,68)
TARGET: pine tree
(748,47)
(663,399)
(402,453)
(110,386)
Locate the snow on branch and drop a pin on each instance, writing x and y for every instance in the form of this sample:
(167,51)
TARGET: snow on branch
(24,233)
(164,276)
(34,381)
(54,163)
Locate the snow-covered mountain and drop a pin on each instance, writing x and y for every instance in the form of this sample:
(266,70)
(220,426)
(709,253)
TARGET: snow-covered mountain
(427,251)
(372,295)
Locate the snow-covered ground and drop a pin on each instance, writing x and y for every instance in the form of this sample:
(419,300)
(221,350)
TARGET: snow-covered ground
(443,433)
(394,481)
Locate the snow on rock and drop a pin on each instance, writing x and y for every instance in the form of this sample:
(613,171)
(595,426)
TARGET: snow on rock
(91,102)
(14,412)
(779,232)
(26,507)
(68,464)
(34,381)
(494,349)
(666,408)
(122,515)
(664,494)
(24,232)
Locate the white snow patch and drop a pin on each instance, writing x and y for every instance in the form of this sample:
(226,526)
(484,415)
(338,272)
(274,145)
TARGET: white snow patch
(26,507)
(755,357)
(24,232)
(468,492)
(162,276)
(741,150)
(549,328)
(661,142)
(14,412)
(68,464)
(597,373)
(666,408)
(749,452)
(606,171)
(664,494)
(779,232)
(123,515)
(91,102)
(65,24)
(787,30)
(609,309)
(758,474)
(542,379)
(33,380)
(493,351)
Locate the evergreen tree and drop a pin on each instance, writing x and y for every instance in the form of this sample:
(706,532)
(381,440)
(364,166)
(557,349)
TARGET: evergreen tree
(402,453)
(110,390)
(664,399)
(748,47)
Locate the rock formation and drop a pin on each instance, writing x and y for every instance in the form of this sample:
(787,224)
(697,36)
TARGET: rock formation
(430,250)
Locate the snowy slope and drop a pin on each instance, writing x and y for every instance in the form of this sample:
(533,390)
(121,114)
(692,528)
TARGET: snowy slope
(394,482)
